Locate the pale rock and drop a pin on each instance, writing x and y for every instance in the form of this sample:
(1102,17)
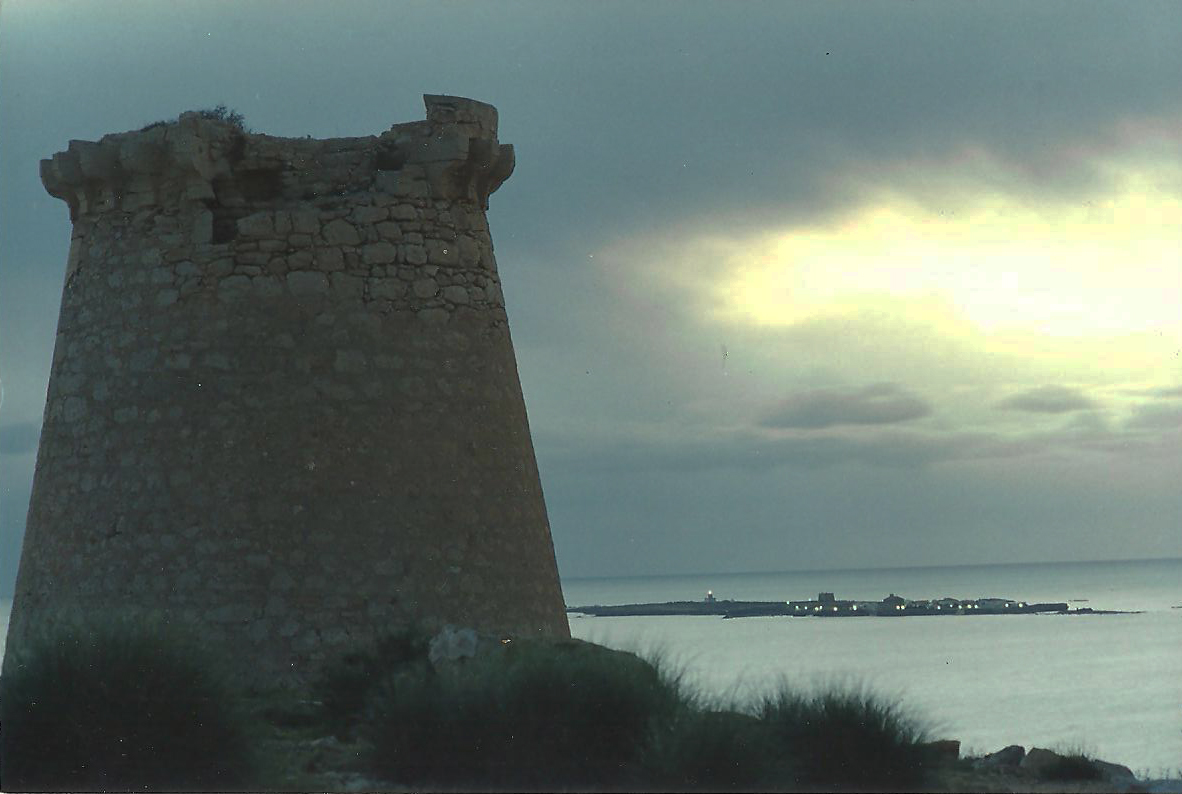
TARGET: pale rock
(451,645)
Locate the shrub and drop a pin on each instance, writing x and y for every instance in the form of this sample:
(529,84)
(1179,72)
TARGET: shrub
(715,751)
(224,114)
(344,684)
(216,113)
(846,739)
(535,714)
(120,703)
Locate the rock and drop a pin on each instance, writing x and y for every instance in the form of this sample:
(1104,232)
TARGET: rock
(1114,773)
(1039,762)
(942,750)
(1049,765)
(452,644)
(426,288)
(379,253)
(456,294)
(260,224)
(1006,759)
(340,232)
(302,282)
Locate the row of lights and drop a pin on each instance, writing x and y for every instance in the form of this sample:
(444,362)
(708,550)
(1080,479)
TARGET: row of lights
(1021,605)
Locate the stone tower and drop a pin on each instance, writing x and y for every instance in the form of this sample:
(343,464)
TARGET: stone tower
(284,402)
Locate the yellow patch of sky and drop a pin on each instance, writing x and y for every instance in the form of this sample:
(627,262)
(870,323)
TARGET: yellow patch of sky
(1107,269)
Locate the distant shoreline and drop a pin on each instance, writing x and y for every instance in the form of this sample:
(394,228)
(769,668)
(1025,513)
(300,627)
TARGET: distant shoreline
(829,607)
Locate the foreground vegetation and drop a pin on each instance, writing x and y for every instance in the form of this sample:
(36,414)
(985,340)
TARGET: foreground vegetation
(137,704)
(121,703)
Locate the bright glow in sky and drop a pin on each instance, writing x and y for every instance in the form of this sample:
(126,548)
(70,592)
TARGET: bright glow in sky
(997,264)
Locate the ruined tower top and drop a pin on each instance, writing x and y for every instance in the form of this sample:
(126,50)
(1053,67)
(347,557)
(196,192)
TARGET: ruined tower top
(453,155)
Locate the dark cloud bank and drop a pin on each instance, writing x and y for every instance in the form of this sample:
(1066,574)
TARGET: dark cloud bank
(1048,400)
(879,404)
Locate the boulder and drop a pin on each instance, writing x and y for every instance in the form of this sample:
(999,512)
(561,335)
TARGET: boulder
(1004,760)
(1114,773)
(1049,765)
(452,644)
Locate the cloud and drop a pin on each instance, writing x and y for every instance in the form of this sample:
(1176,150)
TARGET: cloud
(1048,400)
(19,439)
(1156,417)
(879,404)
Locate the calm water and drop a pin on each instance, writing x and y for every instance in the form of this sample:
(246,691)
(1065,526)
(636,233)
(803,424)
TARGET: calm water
(1108,684)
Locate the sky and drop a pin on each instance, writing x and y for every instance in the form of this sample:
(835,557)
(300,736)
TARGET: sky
(791,285)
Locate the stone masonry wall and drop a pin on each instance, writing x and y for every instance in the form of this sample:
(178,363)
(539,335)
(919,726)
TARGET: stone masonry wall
(284,402)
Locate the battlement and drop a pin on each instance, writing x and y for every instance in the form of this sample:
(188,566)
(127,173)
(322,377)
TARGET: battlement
(453,155)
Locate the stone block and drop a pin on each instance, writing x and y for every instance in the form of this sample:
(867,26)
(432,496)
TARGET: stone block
(386,289)
(260,224)
(456,294)
(468,250)
(283,224)
(340,232)
(328,259)
(307,283)
(235,286)
(347,286)
(389,231)
(414,254)
(379,253)
(305,221)
(366,216)
(203,227)
(440,252)
(425,288)
(252,258)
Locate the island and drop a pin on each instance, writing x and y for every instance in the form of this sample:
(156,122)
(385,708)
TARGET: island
(828,606)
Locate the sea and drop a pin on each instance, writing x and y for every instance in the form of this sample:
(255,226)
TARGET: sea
(1109,685)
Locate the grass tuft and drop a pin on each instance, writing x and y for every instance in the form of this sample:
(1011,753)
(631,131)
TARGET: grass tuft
(846,739)
(715,751)
(121,703)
